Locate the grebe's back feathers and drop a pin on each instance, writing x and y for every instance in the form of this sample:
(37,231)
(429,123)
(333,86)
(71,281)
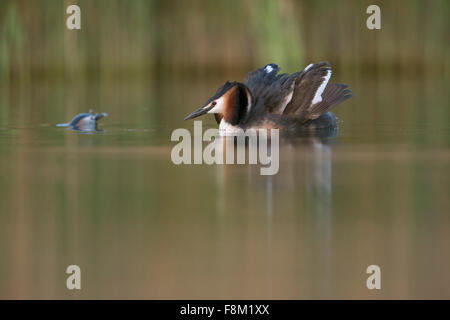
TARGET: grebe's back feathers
(334,94)
(312,95)
(269,89)
(304,95)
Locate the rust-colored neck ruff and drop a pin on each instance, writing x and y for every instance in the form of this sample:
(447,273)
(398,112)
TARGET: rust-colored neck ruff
(235,102)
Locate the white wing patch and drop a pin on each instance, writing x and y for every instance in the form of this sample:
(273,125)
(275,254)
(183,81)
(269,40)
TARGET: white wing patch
(318,96)
(268,68)
(249,100)
(308,67)
(286,100)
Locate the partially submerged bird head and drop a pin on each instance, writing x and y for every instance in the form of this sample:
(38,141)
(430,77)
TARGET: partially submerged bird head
(84,121)
(231,103)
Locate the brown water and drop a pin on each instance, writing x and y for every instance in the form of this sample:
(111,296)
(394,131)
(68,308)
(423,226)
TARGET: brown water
(141,227)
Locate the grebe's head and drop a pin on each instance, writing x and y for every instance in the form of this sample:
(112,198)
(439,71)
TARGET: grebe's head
(231,102)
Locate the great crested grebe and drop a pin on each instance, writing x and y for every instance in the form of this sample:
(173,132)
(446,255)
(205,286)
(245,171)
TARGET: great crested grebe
(295,103)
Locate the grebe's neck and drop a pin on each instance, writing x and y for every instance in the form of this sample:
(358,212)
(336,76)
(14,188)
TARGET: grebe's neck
(237,106)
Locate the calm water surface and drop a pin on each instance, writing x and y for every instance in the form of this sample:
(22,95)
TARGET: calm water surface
(141,227)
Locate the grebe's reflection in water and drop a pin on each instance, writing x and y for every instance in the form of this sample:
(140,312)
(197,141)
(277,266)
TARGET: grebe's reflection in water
(319,203)
(301,192)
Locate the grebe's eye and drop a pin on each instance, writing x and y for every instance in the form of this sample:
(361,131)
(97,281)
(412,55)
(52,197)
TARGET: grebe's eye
(213,103)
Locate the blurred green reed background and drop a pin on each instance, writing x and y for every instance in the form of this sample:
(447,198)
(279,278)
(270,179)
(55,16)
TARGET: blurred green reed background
(151,38)
(157,48)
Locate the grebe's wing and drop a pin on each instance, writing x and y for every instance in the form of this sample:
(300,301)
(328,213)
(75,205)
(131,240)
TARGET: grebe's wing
(312,95)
